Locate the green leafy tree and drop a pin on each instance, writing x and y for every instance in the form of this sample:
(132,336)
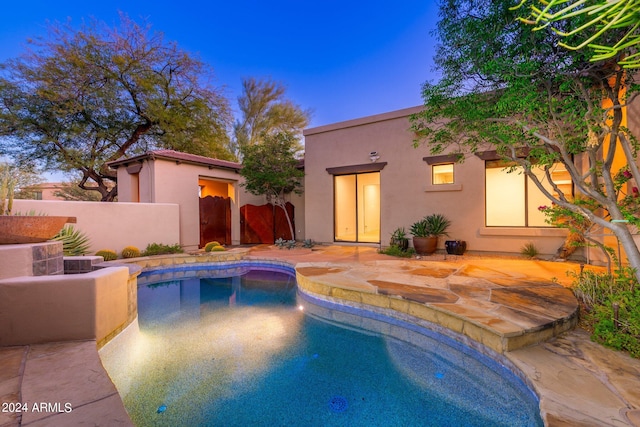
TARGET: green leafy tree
(265,110)
(18,181)
(537,104)
(72,191)
(81,98)
(271,169)
(608,28)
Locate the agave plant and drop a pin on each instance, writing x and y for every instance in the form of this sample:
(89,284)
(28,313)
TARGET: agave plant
(437,225)
(74,242)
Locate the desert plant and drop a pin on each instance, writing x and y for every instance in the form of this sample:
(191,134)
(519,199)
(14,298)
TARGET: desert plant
(7,187)
(308,243)
(211,245)
(291,244)
(161,249)
(130,252)
(217,248)
(395,250)
(399,238)
(419,228)
(74,242)
(529,250)
(107,254)
(437,225)
(611,305)
(280,242)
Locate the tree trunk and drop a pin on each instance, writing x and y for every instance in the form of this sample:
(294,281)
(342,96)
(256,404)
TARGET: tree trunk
(283,205)
(630,248)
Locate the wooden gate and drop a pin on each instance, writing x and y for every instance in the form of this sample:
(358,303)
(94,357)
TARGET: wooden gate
(215,220)
(265,223)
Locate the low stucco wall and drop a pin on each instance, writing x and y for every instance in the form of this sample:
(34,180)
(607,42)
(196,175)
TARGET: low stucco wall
(115,225)
(16,260)
(64,307)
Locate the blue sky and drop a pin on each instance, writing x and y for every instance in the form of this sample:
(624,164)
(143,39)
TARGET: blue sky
(341,59)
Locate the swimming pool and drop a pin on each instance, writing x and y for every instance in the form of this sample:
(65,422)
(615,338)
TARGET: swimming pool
(243,347)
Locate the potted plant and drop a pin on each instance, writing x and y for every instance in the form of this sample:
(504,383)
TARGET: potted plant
(422,242)
(399,238)
(426,232)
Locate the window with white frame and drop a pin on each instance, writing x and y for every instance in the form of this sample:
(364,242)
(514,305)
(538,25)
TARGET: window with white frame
(513,199)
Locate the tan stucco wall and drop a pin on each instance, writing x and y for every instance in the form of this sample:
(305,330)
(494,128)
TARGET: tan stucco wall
(164,181)
(63,307)
(407,194)
(16,260)
(115,225)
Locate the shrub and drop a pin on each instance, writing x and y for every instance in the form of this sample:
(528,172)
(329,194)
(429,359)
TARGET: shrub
(529,250)
(107,254)
(212,246)
(217,249)
(130,252)
(74,242)
(395,250)
(612,305)
(160,249)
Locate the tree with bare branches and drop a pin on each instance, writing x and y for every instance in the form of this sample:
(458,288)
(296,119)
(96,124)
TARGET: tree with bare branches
(81,98)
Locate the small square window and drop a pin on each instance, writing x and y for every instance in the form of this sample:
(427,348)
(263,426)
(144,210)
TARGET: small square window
(442,174)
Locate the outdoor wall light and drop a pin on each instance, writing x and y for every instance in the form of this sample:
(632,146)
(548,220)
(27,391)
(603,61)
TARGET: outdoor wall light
(374,156)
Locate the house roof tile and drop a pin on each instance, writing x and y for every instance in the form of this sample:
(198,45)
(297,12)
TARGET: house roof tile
(178,157)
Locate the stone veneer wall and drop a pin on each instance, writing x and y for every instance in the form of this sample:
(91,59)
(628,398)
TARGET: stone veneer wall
(47,258)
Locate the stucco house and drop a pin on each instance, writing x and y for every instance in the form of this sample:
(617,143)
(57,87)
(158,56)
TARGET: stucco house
(364,178)
(208,191)
(367,176)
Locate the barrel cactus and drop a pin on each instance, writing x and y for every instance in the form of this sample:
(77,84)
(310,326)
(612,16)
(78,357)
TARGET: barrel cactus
(213,246)
(107,254)
(130,252)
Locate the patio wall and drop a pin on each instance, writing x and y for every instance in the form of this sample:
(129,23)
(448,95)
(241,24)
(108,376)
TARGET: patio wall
(115,225)
(65,307)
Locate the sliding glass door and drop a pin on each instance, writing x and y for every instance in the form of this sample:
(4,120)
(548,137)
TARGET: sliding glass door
(357,207)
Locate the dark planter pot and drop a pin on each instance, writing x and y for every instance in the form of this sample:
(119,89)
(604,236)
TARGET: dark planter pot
(425,245)
(455,247)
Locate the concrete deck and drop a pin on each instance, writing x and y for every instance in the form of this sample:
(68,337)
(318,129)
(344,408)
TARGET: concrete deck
(498,301)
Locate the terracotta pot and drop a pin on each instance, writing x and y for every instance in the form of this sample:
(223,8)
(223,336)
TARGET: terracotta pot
(16,229)
(425,245)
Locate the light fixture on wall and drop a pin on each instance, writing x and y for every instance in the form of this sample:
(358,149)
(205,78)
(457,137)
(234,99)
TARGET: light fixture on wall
(374,156)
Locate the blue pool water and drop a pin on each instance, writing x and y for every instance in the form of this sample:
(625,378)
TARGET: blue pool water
(243,348)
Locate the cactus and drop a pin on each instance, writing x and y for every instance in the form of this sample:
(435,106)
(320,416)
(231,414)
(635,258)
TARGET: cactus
(7,187)
(211,245)
(107,254)
(130,252)
(217,249)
